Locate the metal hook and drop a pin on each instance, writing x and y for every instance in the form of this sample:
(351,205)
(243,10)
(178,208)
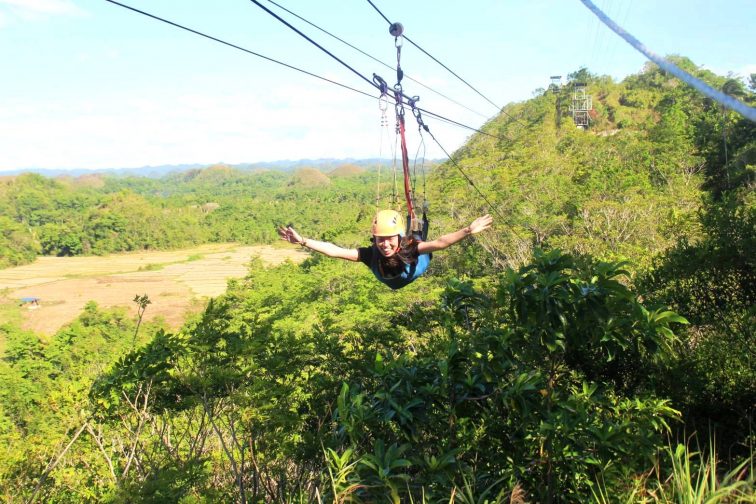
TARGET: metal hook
(380,83)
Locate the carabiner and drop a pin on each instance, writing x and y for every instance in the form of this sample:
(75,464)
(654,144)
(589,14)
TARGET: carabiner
(381,84)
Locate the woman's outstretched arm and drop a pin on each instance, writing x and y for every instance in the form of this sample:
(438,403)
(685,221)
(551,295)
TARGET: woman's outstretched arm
(290,235)
(478,225)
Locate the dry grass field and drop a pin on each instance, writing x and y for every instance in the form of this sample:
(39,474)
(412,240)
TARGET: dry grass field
(176,282)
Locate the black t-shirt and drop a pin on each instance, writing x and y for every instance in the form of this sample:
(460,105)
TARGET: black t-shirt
(369,254)
(398,276)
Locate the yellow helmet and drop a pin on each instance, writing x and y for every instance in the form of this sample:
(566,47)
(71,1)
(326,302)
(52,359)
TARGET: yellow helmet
(388,223)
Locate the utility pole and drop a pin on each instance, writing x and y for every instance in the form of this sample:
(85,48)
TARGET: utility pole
(556,88)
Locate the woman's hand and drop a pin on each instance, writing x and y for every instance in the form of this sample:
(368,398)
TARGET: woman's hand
(480,224)
(290,235)
(442,242)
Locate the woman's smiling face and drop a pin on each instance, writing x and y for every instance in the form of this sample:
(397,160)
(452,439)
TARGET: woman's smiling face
(387,245)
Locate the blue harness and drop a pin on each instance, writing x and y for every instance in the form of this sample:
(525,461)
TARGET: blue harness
(406,276)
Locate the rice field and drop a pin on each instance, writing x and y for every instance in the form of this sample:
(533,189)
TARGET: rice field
(177,282)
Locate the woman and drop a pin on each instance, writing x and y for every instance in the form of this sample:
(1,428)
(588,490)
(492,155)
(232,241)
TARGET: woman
(394,259)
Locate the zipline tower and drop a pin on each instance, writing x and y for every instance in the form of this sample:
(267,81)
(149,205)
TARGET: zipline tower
(582,104)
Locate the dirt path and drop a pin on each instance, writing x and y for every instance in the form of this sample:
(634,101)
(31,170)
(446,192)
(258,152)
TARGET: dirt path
(175,281)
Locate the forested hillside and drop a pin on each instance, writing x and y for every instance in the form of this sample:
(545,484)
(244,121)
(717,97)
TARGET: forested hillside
(596,346)
(99,214)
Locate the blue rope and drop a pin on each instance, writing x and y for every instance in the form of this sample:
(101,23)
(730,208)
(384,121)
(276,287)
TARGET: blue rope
(718,96)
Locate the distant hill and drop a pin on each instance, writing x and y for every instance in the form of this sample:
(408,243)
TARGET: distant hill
(144,171)
(159,171)
(309,177)
(346,170)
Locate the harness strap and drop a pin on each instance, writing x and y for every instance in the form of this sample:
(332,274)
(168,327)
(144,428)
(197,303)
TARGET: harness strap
(414,226)
(405,169)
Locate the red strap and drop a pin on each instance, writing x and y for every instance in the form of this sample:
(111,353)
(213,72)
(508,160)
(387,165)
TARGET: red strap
(405,167)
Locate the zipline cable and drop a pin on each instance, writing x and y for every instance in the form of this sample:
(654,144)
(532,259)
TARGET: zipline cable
(215,39)
(289,25)
(472,183)
(616,42)
(292,67)
(497,137)
(501,110)
(437,61)
(377,60)
(702,87)
(311,74)
(196,32)
(451,121)
(372,83)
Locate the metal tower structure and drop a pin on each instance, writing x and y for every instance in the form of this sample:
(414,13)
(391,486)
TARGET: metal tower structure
(582,104)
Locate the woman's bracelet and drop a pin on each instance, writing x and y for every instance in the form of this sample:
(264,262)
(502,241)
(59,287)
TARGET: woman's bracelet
(303,243)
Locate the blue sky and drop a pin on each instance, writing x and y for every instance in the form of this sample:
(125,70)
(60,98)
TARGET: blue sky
(87,84)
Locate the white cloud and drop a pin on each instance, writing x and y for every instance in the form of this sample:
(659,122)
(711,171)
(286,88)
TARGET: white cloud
(153,126)
(158,128)
(36,9)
